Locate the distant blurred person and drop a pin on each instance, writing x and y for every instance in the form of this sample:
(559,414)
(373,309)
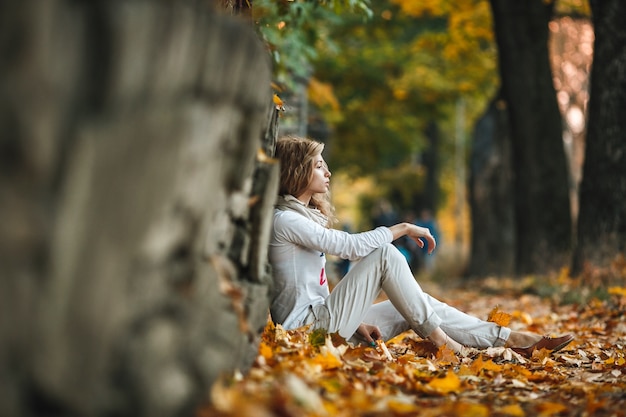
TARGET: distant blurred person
(343,265)
(427,220)
(385,215)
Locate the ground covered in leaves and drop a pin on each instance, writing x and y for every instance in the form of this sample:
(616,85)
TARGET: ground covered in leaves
(299,375)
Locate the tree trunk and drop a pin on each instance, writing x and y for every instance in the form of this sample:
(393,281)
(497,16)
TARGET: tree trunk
(602,218)
(430,160)
(542,210)
(132,247)
(492,195)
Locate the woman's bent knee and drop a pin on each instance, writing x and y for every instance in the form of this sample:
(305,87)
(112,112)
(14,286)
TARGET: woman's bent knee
(389,251)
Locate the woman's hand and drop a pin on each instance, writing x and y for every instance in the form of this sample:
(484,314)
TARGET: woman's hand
(369,332)
(414,232)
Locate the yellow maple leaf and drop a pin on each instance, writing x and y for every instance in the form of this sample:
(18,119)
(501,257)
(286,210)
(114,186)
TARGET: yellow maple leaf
(327,360)
(265,350)
(499,317)
(402,407)
(464,370)
(471,409)
(399,339)
(447,384)
(617,291)
(278,102)
(513,410)
(331,385)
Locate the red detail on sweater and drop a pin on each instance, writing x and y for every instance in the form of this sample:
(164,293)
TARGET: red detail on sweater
(322,277)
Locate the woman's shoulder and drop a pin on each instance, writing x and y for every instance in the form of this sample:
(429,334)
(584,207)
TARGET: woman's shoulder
(287,216)
(288,225)
(290,220)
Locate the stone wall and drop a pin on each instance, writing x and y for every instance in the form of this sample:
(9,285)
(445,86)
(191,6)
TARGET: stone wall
(134,205)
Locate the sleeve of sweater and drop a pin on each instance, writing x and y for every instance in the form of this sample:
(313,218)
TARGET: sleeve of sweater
(294,228)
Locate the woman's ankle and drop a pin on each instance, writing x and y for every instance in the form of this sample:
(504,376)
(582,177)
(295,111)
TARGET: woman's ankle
(439,338)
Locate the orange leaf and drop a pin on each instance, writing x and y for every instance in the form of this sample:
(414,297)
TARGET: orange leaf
(550,408)
(265,350)
(523,316)
(499,317)
(277,100)
(445,355)
(479,365)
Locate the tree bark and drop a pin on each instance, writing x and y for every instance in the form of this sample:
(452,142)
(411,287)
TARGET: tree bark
(491,196)
(135,212)
(602,219)
(542,210)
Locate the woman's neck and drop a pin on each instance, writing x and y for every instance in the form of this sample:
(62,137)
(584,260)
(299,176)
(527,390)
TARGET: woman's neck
(304,198)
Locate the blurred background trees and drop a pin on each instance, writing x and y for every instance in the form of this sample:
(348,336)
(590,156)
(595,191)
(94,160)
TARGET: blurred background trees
(475,109)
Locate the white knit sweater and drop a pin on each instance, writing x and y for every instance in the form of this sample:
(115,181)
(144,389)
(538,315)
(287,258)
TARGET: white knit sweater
(297,254)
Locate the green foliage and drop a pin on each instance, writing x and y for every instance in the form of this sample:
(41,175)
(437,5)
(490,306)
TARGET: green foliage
(295,29)
(403,69)
(393,66)
(381,71)
(572,8)
(360,72)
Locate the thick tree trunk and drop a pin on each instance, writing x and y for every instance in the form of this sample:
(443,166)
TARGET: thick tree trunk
(542,210)
(131,248)
(492,195)
(602,218)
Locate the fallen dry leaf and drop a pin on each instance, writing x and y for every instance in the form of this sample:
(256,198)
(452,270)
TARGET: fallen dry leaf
(499,317)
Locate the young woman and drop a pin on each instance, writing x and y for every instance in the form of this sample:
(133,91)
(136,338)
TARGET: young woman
(302,237)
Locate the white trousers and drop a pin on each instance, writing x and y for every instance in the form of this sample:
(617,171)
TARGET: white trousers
(352,302)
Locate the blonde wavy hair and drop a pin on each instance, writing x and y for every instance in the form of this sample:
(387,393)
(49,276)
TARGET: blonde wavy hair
(296,156)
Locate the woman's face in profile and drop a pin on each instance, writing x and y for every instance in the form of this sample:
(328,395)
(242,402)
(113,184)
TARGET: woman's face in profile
(320,177)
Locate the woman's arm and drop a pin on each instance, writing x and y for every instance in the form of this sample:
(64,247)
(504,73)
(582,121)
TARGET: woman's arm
(414,232)
(294,228)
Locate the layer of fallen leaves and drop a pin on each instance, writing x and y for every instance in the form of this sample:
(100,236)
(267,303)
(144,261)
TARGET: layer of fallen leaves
(301,374)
